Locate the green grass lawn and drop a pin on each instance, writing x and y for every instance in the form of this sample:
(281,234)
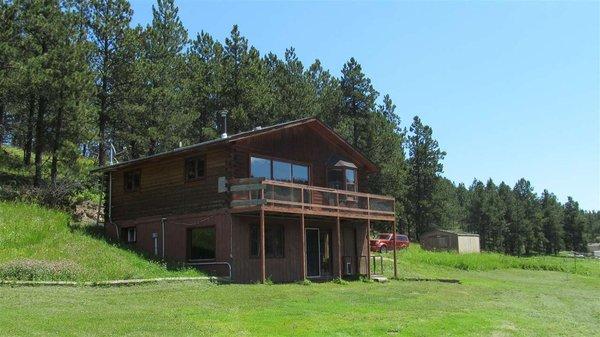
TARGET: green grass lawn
(498,295)
(487,303)
(39,244)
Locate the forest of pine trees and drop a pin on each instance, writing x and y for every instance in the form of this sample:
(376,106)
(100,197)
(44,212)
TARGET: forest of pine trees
(76,77)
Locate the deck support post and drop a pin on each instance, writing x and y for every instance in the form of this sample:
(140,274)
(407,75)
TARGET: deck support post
(302,247)
(338,248)
(368,238)
(262,246)
(395,262)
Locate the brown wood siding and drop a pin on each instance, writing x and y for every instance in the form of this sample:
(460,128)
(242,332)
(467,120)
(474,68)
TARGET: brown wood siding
(300,144)
(164,190)
(246,268)
(175,236)
(289,268)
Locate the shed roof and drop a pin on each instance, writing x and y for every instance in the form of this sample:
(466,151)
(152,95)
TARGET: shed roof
(312,122)
(455,232)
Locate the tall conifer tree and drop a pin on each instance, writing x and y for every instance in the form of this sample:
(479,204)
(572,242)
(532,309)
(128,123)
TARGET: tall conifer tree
(424,167)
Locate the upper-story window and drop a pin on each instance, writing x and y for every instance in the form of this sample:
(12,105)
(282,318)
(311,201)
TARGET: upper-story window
(279,170)
(194,168)
(351,180)
(132,180)
(342,178)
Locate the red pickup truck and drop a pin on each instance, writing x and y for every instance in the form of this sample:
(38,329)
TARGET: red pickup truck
(385,242)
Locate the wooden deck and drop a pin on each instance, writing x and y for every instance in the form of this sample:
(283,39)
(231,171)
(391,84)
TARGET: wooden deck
(249,195)
(252,194)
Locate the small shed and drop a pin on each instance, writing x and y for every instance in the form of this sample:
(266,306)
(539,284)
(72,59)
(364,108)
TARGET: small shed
(450,240)
(594,249)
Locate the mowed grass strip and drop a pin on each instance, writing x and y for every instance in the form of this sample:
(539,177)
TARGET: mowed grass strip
(492,303)
(38,244)
(416,262)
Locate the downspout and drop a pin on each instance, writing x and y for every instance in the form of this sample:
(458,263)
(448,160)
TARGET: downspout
(110,197)
(163,223)
(110,206)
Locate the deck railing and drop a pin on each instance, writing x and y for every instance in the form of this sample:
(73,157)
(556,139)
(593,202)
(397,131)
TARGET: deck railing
(298,197)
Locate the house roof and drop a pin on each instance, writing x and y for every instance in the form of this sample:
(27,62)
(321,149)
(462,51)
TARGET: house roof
(309,121)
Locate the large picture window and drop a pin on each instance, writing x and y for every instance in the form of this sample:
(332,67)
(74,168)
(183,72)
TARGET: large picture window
(260,168)
(279,170)
(274,241)
(202,243)
(282,171)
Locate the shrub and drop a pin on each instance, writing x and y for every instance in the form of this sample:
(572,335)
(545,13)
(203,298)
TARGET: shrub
(305,282)
(340,280)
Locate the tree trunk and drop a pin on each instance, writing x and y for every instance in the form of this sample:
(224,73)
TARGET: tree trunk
(102,133)
(29,136)
(39,140)
(2,112)
(355,134)
(152,147)
(56,145)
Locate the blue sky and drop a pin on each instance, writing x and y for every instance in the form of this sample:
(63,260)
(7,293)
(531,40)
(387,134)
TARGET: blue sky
(511,89)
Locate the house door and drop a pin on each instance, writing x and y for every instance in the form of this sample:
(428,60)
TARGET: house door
(318,252)
(349,248)
(312,253)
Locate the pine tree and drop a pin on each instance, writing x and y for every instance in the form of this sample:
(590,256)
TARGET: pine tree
(71,86)
(328,94)
(493,210)
(166,117)
(246,92)
(447,212)
(9,40)
(574,227)
(385,147)
(552,222)
(463,201)
(476,219)
(514,240)
(42,24)
(293,92)
(358,101)
(206,64)
(108,23)
(424,167)
(530,220)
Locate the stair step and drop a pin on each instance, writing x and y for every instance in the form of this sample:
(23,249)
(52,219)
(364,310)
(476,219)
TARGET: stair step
(379,278)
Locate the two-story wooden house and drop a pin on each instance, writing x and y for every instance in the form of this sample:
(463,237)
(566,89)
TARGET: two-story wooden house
(284,202)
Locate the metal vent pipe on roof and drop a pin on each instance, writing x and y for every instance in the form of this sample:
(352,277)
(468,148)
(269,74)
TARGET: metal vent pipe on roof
(224,115)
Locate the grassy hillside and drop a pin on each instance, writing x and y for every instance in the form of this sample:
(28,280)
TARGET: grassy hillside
(40,244)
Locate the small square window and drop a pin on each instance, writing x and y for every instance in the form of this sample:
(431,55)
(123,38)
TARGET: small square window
(194,168)
(132,180)
(128,235)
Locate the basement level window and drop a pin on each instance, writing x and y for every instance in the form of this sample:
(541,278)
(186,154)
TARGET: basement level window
(132,180)
(202,243)
(194,168)
(129,235)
